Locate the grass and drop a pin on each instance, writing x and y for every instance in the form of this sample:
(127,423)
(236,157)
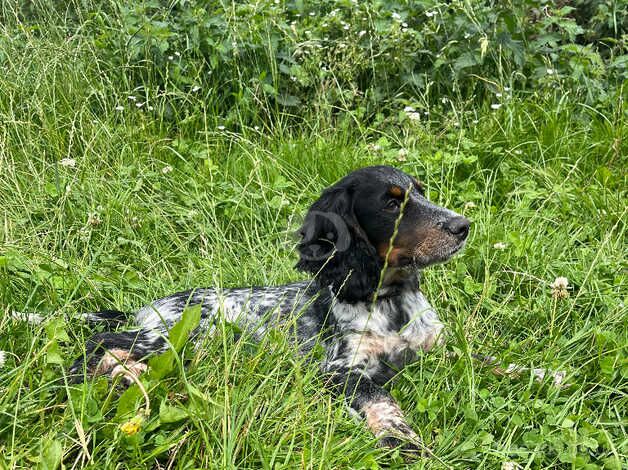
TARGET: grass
(161,200)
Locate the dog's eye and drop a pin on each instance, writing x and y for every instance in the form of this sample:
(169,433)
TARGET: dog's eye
(392,205)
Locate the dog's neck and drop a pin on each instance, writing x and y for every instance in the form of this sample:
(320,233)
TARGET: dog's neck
(397,280)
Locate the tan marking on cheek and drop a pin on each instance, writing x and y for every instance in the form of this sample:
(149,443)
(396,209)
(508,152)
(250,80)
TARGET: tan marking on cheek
(382,249)
(393,256)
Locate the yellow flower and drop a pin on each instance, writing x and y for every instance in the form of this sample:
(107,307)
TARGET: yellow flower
(132,426)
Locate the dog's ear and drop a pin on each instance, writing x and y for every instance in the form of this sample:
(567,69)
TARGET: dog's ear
(335,249)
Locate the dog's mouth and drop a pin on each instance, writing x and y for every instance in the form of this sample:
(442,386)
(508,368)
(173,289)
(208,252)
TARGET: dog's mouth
(421,257)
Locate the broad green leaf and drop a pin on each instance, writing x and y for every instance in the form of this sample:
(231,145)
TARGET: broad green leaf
(171,414)
(50,455)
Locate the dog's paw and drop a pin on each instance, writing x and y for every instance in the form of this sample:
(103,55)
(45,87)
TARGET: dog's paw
(129,372)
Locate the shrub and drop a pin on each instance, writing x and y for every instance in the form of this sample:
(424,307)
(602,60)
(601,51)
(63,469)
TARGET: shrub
(271,58)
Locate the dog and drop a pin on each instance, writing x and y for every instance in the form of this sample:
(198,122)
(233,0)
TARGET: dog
(364,242)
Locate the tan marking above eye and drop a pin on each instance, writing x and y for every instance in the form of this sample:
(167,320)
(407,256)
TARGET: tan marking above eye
(395,191)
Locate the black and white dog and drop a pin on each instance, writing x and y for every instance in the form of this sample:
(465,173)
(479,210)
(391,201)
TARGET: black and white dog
(364,241)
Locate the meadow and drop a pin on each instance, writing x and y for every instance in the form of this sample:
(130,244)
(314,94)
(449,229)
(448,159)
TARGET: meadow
(148,147)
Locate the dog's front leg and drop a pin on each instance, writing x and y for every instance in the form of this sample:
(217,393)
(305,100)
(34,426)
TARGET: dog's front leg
(373,403)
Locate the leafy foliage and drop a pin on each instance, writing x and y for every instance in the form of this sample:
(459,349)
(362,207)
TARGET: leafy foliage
(254,59)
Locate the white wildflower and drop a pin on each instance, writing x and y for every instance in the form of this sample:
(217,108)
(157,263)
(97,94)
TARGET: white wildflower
(150,108)
(119,108)
(499,95)
(396,16)
(132,98)
(312,13)
(3,358)
(559,288)
(429,14)
(256,128)
(496,105)
(170,57)
(550,71)
(408,109)
(195,88)
(221,128)
(178,54)
(414,116)
(444,100)
(167,169)
(93,219)
(361,33)
(68,162)
(139,105)
(404,25)
(475,121)
(403,153)
(506,88)
(510,466)
(346,27)
(500,246)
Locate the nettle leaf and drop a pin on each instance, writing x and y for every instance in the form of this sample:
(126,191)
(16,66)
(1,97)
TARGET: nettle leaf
(171,414)
(532,439)
(55,330)
(128,402)
(164,364)
(50,454)
(179,333)
(53,354)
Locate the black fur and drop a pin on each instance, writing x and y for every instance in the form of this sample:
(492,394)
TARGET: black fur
(352,273)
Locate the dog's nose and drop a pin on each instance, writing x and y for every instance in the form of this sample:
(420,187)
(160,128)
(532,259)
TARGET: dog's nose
(458,226)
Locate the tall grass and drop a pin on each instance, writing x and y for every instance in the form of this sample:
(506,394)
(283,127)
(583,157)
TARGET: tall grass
(107,204)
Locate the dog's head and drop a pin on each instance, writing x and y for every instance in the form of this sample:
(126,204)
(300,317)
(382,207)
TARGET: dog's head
(346,236)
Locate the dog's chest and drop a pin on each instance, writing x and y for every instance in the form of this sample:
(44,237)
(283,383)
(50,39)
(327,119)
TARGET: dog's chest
(391,331)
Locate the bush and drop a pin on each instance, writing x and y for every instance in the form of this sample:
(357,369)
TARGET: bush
(271,58)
